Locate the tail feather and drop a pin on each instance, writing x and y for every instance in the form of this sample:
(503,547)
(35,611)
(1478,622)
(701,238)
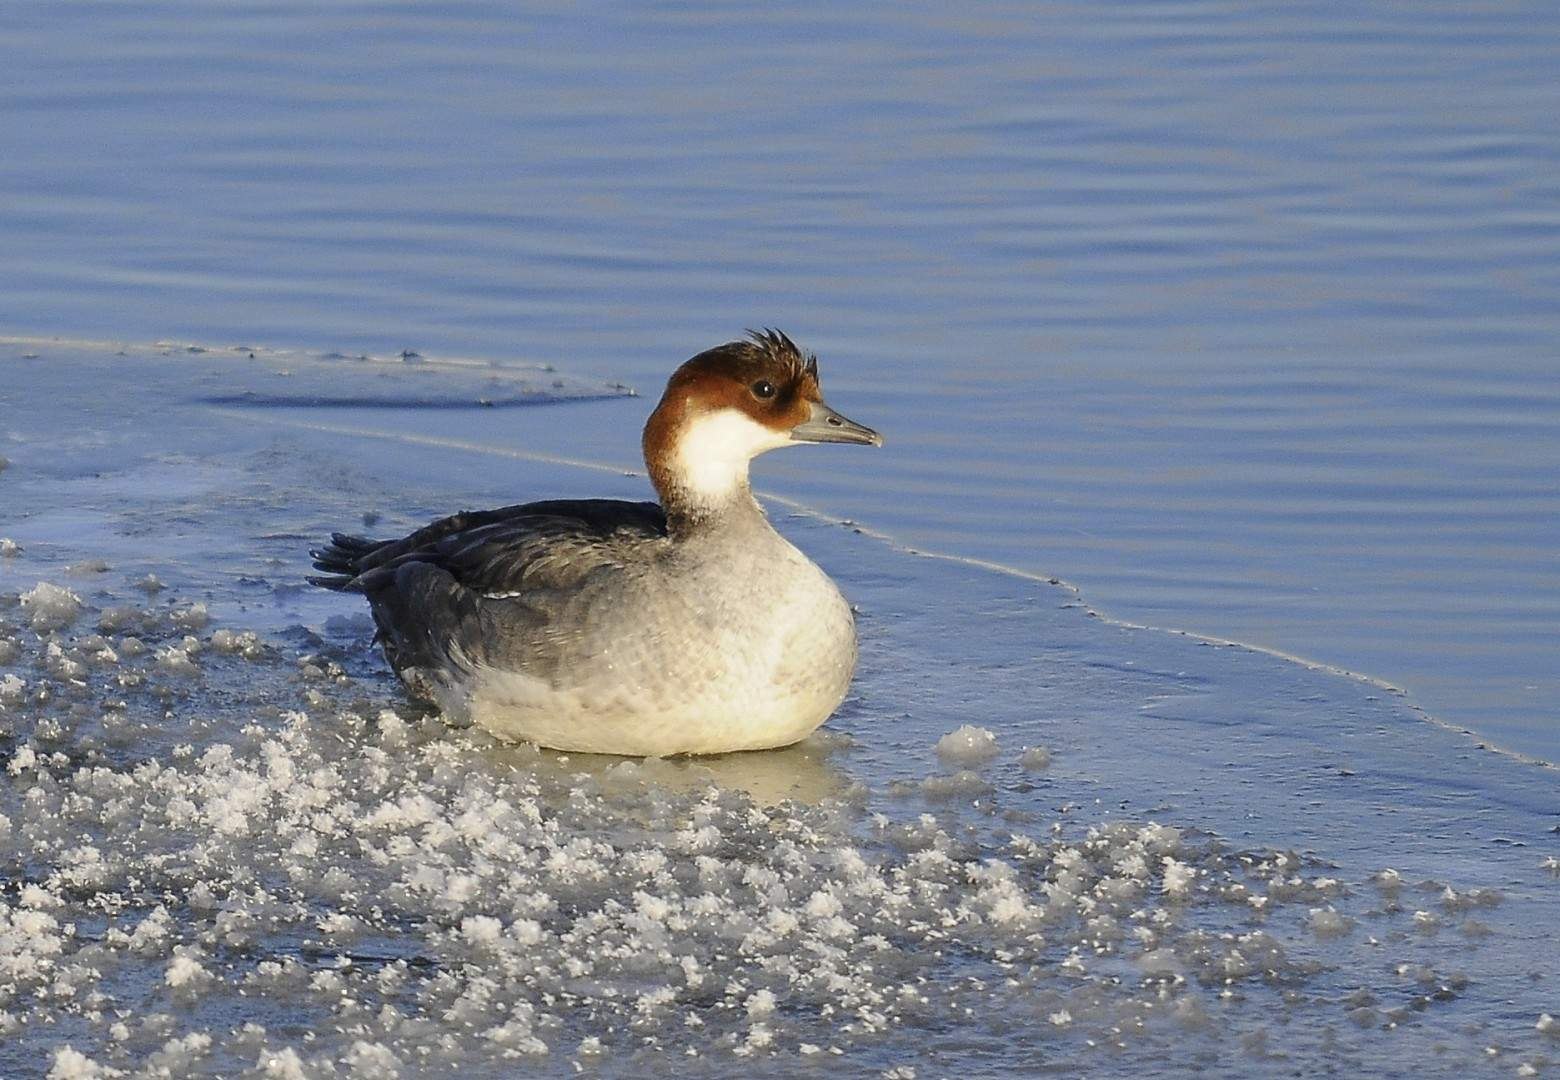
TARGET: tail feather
(333,561)
(360,544)
(336,583)
(342,560)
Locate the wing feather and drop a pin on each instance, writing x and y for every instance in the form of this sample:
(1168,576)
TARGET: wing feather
(436,594)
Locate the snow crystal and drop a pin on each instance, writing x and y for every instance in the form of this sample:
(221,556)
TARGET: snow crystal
(1178,877)
(760,1004)
(192,617)
(50,607)
(25,758)
(245,643)
(373,1061)
(283,1064)
(1159,838)
(1327,922)
(967,745)
(148,934)
(965,782)
(177,659)
(13,690)
(1035,758)
(70,1064)
(481,930)
(184,971)
(393,731)
(822,905)
(179,1056)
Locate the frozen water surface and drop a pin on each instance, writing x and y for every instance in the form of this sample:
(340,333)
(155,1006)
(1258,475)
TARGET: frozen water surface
(1032,841)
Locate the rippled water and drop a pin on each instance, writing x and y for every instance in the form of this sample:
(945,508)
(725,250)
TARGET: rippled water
(1243,319)
(1240,319)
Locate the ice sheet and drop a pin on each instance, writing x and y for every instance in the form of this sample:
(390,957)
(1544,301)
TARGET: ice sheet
(232,846)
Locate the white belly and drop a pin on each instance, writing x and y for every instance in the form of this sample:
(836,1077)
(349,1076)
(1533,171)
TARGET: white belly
(736,678)
(518,708)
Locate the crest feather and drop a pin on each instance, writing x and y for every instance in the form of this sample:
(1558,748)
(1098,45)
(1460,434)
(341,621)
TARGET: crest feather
(777,346)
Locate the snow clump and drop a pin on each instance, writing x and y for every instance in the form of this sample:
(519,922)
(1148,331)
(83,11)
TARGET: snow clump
(1178,877)
(1035,758)
(192,617)
(50,607)
(419,899)
(71,1064)
(13,690)
(967,745)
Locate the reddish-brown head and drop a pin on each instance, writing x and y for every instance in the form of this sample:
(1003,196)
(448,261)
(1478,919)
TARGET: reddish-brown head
(726,406)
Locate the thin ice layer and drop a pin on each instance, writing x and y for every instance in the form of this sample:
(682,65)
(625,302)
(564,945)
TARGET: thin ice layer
(228,832)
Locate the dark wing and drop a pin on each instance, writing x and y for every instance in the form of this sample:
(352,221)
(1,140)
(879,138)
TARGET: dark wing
(554,537)
(479,583)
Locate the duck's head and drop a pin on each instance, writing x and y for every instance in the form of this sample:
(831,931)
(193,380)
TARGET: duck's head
(726,406)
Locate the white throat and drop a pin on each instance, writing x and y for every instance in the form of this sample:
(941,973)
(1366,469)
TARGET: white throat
(710,460)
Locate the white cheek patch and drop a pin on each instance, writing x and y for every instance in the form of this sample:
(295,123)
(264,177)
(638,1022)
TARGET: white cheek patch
(713,454)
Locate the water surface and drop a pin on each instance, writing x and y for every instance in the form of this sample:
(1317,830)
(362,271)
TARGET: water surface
(1241,318)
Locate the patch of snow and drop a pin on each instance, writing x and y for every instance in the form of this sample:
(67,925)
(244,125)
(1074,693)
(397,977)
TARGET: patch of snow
(70,1064)
(1327,922)
(191,617)
(967,745)
(1035,758)
(13,689)
(965,782)
(1178,877)
(50,607)
(185,971)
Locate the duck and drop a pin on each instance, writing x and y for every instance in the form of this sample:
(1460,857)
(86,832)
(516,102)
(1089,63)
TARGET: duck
(684,626)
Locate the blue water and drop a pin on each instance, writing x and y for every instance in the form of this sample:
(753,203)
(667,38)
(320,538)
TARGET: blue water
(1242,319)
(1235,320)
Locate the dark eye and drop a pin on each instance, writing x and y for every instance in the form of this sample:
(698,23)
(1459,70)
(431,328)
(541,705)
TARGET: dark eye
(763,389)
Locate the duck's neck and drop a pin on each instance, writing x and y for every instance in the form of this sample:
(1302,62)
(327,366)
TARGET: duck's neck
(700,472)
(689,515)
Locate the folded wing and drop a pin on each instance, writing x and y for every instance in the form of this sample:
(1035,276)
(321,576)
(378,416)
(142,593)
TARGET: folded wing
(481,587)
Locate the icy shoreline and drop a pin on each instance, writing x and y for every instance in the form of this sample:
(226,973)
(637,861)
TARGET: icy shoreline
(289,883)
(232,849)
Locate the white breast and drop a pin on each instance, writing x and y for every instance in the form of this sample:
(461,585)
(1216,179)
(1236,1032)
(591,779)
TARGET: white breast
(709,659)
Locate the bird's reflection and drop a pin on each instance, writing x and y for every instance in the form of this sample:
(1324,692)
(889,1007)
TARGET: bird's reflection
(802,773)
